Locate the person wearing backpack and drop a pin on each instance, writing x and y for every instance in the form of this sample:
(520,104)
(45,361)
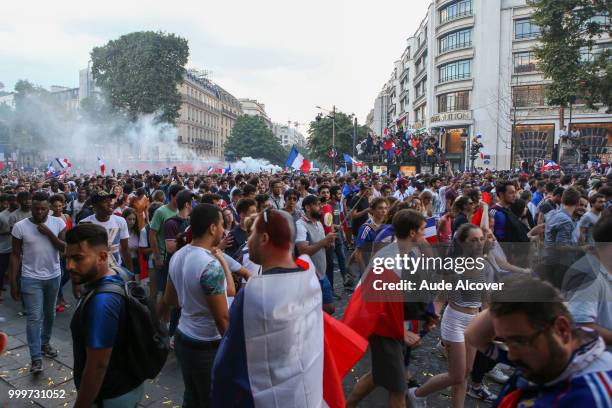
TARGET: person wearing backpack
(102,374)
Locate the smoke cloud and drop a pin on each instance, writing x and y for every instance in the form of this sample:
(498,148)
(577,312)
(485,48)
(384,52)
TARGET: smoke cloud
(53,129)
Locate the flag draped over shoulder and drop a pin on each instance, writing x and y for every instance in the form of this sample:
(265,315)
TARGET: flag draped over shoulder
(280,349)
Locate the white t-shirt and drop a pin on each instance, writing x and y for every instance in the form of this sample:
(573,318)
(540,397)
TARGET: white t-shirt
(194,270)
(143,242)
(40,259)
(117,229)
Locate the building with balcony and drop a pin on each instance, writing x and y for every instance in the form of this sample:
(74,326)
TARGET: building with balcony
(288,135)
(252,107)
(471,69)
(207,115)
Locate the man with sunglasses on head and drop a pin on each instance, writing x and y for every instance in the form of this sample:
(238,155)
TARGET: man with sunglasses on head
(528,326)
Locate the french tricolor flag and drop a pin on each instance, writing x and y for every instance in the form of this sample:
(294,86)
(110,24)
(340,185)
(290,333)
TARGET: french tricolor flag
(297,161)
(101,165)
(280,349)
(431,234)
(211,170)
(63,163)
(351,160)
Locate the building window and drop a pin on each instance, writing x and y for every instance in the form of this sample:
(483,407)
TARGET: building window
(525,28)
(525,62)
(457,9)
(420,88)
(419,114)
(454,101)
(421,63)
(458,39)
(528,96)
(592,54)
(455,71)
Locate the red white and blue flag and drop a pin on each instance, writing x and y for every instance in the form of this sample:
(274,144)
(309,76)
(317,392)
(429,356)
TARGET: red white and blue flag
(431,234)
(63,163)
(101,165)
(351,160)
(52,172)
(550,165)
(281,349)
(297,161)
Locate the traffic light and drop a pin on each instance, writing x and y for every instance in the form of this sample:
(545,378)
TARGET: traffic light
(475,149)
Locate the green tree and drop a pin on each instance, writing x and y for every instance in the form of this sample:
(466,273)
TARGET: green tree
(569,54)
(320,140)
(141,72)
(253,138)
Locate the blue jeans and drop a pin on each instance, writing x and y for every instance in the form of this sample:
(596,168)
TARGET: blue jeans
(39,297)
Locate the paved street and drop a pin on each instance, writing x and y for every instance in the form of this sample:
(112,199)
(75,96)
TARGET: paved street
(166,390)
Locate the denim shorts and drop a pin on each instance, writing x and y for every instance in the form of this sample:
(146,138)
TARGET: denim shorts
(326,289)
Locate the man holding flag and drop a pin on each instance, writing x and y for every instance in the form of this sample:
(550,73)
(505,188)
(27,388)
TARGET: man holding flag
(381,316)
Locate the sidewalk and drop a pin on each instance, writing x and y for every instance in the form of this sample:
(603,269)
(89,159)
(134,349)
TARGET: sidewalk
(167,389)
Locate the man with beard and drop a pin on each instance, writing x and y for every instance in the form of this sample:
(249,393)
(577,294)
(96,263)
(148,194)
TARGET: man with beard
(36,245)
(101,373)
(115,226)
(311,240)
(199,281)
(24,198)
(528,326)
(598,203)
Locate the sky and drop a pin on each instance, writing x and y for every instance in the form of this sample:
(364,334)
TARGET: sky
(290,55)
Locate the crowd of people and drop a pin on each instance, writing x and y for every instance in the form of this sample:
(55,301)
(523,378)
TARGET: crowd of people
(201,244)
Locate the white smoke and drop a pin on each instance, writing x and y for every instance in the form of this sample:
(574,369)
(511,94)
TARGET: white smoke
(139,145)
(250,165)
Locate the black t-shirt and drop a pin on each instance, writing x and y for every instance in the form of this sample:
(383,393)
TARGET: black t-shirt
(358,203)
(460,219)
(240,237)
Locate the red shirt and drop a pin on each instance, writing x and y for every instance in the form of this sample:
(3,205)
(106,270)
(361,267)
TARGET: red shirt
(327,218)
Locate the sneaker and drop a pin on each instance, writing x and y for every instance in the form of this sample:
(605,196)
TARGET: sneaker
(48,351)
(414,401)
(481,393)
(497,375)
(36,367)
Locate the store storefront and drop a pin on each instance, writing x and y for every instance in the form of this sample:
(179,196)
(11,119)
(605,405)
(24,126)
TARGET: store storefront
(453,144)
(598,137)
(532,143)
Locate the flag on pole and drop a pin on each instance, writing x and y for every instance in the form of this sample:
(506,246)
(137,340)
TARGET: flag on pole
(63,163)
(350,160)
(211,170)
(297,161)
(228,169)
(101,165)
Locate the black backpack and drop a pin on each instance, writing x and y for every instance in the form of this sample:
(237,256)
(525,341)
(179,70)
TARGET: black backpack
(516,230)
(147,338)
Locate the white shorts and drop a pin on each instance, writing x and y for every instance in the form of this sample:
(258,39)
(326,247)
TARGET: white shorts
(453,325)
